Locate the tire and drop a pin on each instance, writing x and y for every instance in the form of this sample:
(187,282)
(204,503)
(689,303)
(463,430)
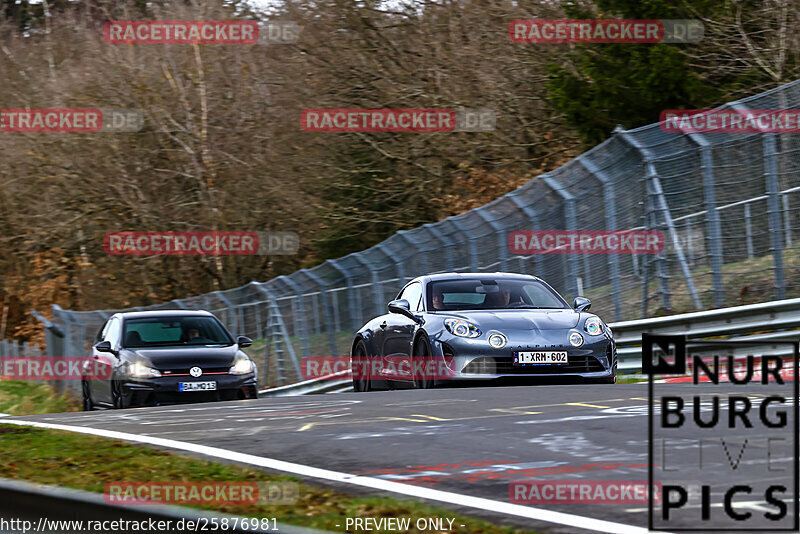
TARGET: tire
(361,384)
(422,348)
(88,405)
(117,397)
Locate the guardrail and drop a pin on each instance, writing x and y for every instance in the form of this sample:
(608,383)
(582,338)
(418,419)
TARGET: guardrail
(308,387)
(766,321)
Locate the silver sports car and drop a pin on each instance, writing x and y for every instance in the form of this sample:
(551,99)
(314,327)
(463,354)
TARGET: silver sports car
(481,326)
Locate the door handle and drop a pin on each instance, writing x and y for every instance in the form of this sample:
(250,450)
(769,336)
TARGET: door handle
(383,324)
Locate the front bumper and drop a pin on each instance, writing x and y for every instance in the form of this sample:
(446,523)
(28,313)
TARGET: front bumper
(474,359)
(164,389)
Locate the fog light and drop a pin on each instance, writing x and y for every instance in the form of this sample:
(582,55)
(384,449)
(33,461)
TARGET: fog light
(575,339)
(497,341)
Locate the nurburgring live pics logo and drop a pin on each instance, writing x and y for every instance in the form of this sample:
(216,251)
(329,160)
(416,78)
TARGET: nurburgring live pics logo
(560,31)
(740,440)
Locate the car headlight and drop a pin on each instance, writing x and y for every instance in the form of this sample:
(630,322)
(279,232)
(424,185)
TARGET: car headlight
(593,326)
(575,339)
(241,366)
(140,370)
(461,328)
(497,341)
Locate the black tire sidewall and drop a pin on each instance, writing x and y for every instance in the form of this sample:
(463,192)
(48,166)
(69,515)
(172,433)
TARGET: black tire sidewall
(422,383)
(361,386)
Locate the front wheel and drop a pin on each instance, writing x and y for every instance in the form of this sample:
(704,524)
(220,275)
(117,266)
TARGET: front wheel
(88,405)
(360,368)
(117,398)
(422,356)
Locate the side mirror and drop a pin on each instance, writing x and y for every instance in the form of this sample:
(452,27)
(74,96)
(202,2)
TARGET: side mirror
(581,304)
(103,346)
(403,308)
(244,341)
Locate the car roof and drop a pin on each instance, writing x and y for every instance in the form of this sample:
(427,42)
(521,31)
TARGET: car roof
(457,276)
(163,313)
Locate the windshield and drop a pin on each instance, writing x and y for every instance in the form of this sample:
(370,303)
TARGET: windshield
(490,294)
(173,331)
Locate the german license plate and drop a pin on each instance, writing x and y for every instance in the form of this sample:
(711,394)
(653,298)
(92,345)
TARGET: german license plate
(197,386)
(541,358)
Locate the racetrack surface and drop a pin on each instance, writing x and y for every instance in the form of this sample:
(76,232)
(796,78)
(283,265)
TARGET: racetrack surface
(471,441)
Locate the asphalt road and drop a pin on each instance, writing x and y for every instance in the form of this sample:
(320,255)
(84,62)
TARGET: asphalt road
(476,441)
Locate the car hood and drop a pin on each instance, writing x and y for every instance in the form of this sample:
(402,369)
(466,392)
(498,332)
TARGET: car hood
(170,358)
(562,319)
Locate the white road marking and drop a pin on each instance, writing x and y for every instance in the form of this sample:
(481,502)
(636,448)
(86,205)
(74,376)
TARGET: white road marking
(480,503)
(4,415)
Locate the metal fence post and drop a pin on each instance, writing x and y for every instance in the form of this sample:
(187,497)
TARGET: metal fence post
(378,289)
(502,237)
(610,210)
(773,210)
(748,230)
(355,311)
(447,245)
(533,217)
(776,236)
(652,175)
(571,221)
(714,227)
(323,291)
(299,314)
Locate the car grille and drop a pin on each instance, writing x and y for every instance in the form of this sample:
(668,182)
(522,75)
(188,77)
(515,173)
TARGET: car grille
(505,366)
(185,371)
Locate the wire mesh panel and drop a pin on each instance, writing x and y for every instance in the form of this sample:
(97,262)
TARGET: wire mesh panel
(726,204)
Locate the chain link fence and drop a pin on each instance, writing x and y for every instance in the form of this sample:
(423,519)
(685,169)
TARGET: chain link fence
(727,205)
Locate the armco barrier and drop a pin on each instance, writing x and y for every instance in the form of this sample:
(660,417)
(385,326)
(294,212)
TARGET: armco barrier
(777,320)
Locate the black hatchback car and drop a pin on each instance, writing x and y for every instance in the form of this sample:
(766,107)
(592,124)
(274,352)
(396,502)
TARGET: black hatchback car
(160,357)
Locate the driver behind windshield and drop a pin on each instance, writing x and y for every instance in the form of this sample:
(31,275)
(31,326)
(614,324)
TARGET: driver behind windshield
(500,299)
(438,300)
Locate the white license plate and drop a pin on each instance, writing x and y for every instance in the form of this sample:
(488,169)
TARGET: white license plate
(542,358)
(197,386)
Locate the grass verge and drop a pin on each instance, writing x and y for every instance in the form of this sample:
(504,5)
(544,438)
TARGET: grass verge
(88,463)
(28,398)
